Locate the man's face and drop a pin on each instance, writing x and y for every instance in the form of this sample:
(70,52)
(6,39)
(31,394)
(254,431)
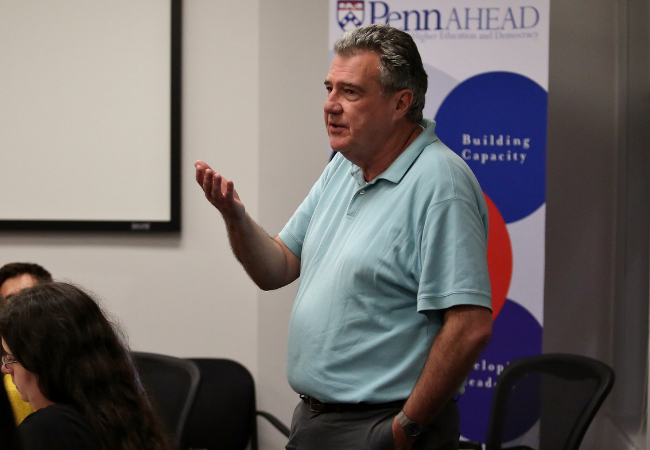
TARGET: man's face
(17,283)
(358,117)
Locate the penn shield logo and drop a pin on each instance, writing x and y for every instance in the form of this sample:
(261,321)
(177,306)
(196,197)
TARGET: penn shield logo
(350,14)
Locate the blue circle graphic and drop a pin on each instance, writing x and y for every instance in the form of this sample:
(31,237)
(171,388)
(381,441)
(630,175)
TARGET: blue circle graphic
(496,122)
(515,334)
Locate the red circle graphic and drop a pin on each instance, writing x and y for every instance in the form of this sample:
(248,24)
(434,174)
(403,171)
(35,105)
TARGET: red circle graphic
(499,257)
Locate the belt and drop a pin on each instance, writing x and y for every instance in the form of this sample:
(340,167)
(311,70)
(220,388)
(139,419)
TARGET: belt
(320,407)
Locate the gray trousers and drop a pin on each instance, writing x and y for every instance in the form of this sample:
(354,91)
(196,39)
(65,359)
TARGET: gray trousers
(367,430)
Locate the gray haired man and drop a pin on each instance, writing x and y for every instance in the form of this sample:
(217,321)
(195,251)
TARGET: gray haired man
(393,306)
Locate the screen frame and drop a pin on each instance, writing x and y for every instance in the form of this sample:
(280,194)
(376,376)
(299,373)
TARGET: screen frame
(174,223)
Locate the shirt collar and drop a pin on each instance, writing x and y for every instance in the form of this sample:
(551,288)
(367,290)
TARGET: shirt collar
(403,163)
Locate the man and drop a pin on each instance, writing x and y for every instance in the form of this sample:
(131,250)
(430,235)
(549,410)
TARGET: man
(15,277)
(393,306)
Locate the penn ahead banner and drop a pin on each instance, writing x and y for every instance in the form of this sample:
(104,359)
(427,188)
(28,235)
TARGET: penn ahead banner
(488,79)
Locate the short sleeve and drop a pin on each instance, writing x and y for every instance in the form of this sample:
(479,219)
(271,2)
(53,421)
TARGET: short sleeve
(452,261)
(293,233)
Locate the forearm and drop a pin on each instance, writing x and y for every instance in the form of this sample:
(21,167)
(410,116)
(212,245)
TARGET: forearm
(264,258)
(463,337)
(267,261)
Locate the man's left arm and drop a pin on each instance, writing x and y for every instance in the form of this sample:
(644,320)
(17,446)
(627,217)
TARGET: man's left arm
(464,335)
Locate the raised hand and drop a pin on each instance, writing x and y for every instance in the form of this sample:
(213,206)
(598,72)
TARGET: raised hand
(220,192)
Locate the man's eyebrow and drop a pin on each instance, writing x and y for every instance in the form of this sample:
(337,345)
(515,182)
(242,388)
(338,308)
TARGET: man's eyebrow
(352,86)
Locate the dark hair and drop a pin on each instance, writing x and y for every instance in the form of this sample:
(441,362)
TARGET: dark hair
(58,332)
(400,62)
(12,270)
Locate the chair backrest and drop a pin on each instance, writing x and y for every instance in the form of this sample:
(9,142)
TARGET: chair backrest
(171,385)
(547,402)
(223,414)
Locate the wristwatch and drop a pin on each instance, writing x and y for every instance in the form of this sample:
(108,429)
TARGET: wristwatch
(411,429)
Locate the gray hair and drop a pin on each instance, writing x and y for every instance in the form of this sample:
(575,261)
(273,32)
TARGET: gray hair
(400,62)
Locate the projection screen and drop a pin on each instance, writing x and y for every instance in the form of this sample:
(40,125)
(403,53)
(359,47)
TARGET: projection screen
(90,115)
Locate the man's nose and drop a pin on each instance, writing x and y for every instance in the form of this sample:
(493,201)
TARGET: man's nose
(332,106)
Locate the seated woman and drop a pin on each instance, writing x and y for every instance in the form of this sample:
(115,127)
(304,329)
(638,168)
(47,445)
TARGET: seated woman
(68,362)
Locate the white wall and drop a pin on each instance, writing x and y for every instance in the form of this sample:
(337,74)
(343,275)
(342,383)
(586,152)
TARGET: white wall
(294,149)
(597,201)
(252,108)
(182,294)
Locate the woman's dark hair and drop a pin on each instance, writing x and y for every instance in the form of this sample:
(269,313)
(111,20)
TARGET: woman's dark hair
(58,332)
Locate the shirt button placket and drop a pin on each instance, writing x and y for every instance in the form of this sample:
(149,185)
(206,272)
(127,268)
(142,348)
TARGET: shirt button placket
(355,203)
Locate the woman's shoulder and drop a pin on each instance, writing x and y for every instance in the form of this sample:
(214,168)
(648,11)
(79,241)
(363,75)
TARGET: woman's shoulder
(56,412)
(58,426)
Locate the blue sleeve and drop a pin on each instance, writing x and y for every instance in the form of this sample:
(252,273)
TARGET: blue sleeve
(452,260)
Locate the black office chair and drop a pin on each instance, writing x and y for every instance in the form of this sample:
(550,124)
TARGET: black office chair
(224,413)
(546,402)
(171,385)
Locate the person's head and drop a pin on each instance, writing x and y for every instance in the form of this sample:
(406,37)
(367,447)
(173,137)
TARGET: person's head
(52,328)
(26,382)
(400,64)
(66,346)
(17,276)
(376,88)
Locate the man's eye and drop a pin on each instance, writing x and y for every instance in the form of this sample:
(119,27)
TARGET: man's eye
(350,92)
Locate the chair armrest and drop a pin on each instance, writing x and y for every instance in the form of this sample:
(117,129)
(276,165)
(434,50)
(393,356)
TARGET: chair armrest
(282,428)
(469,445)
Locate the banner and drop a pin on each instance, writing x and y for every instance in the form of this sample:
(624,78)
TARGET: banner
(488,82)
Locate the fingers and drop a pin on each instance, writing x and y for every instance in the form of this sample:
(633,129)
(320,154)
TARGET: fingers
(208,186)
(216,194)
(230,189)
(200,171)
(219,191)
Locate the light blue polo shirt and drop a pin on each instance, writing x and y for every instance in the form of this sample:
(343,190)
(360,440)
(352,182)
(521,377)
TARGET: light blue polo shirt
(373,256)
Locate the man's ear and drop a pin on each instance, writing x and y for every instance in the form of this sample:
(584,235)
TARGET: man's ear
(403,101)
